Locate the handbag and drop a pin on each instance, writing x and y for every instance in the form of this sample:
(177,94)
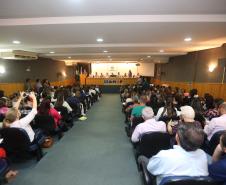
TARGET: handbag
(48,142)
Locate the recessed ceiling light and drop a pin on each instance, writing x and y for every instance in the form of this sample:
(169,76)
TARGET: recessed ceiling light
(16,42)
(69,57)
(188,39)
(100,40)
(161,51)
(109,56)
(149,56)
(141,59)
(105,51)
(51,52)
(6,50)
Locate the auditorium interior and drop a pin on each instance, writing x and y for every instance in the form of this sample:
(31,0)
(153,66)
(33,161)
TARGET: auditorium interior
(113,92)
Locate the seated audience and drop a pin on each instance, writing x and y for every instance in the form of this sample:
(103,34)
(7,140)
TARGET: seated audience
(187,115)
(167,112)
(150,125)
(45,109)
(3,106)
(216,124)
(12,118)
(137,110)
(38,86)
(61,102)
(185,159)
(217,170)
(27,85)
(196,104)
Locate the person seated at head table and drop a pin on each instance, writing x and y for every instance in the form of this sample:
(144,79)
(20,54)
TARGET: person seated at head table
(125,75)
(101,75)
(96,75)
(119,75)
(130,74)
(112,75)
(107,75)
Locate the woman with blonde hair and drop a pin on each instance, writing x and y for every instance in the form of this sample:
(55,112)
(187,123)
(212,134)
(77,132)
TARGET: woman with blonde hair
(12,118)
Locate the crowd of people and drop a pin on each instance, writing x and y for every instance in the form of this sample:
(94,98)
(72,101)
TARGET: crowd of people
(192,124)
(22,110)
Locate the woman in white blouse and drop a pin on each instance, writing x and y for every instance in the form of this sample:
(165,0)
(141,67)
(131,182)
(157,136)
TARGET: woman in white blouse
(12,118)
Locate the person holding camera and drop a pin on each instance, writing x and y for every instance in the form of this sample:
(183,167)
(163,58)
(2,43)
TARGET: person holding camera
(12,118)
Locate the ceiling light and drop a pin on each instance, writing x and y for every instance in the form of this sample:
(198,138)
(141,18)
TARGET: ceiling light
(141,59)
(16,42)
(188,39)
(69,57)
(100,40)
(149,56)
(105,51)
(51,52)
(161,51)
(6,50)
(109,56)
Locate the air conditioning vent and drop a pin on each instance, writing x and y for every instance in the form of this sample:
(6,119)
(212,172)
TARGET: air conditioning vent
(19,55)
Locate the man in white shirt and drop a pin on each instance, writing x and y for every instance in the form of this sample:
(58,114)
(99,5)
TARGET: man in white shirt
(216,124)
(185,159)
(150,125)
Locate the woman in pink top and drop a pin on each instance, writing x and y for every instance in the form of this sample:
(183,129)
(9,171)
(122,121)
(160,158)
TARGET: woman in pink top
(3,107)
(45,109)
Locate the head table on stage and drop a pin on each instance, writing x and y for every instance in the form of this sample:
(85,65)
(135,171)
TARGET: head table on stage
(108,84)
(84,80)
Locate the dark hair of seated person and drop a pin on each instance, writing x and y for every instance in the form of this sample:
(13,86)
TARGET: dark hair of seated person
(223,140)
(60,100)
(2,102)
(190,137)
(44,107)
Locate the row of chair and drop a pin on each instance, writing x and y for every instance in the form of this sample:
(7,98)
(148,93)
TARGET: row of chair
(153,142)
(150,144)
(16,141)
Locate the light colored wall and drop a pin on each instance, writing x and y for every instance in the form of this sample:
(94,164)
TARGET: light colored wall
(145,69)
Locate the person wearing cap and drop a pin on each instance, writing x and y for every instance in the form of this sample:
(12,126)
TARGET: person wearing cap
(149,125)
(216,124)
(187,115)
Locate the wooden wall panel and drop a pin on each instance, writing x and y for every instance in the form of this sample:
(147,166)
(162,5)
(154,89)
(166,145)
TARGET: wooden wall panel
(216,89)
(10,88)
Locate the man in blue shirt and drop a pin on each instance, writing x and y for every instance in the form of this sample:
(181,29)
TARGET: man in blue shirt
(217,170)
